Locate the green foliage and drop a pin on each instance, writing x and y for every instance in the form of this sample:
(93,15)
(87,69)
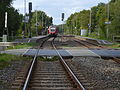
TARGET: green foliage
(14,18)
(115,19)
(21,46)
(43,21)
(99,15)
(77,21)
(115,45)
(5,59)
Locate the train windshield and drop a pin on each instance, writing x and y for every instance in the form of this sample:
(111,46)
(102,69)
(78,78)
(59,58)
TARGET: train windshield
(52,29)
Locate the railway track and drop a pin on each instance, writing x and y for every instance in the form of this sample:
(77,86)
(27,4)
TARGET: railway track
(50,75)
(24,74)
(116,60)
(88,45)
(46,75)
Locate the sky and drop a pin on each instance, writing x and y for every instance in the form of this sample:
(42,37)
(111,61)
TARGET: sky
(54,8)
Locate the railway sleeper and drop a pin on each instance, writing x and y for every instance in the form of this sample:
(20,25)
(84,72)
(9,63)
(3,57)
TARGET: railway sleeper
(37,81)
(53,88)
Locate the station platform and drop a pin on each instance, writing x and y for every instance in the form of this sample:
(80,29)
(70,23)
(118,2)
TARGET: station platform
(97,41)
(27,40)
(66,52)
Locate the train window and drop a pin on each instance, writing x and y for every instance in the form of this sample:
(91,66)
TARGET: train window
(52,29)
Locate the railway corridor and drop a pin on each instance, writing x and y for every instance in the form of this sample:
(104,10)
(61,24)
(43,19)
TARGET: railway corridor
(50,75)
(68,72)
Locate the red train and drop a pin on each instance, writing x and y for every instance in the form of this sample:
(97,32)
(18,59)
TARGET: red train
(52,31)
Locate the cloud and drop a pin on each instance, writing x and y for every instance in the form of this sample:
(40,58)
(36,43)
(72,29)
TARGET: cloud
(54,8)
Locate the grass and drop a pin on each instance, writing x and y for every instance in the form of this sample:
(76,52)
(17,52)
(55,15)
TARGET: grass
(55,58)
(5,59)
(115,45)
(22,46)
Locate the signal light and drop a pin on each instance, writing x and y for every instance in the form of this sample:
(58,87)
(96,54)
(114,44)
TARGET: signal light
(30,7)
(62,16)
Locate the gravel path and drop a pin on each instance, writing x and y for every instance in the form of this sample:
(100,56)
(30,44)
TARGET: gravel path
(8,74)
(104,74)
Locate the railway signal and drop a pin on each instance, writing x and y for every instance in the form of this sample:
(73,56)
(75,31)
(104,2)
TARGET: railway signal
(63,22)
(51,20)
(30,16)
(30,7)
(62,16)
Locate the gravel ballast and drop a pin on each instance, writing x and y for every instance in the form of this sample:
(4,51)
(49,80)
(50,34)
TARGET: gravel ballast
(8,74)
(104,74)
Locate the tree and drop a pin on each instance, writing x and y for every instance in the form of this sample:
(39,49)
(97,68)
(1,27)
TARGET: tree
(77,21)
(115,18)
(43,21)
(14,18)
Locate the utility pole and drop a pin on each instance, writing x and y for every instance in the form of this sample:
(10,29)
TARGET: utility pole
(90,21)
(36,24)
(76,24)
(45,23)
(42,24)
(108,17)
(24,18)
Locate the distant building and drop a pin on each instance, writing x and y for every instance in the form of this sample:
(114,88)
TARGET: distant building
(83,32)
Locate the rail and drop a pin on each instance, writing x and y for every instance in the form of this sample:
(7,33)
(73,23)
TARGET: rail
(113,58)
(116,60)
(32,66)
(30,71)
(81,87)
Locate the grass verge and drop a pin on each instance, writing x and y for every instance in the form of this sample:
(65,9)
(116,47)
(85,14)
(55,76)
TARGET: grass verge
(115,45)
(21,46)
(5,59)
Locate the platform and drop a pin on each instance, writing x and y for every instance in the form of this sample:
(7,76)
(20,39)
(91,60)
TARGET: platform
(27,40)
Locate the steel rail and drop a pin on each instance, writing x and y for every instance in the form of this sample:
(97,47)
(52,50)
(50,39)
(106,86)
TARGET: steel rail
(82,42)
(81,87)
(113,57)
(30,71)
(32,66)
(116,60)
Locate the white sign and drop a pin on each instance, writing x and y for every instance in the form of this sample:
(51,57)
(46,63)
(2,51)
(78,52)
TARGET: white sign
(26,19)
(5,19)
(108,22)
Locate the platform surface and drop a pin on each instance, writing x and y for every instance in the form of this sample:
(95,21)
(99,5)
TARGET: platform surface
(27,40)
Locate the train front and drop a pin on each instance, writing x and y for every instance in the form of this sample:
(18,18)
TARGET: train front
(52,31)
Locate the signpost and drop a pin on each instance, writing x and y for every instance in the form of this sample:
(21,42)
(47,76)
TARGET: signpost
(5,30)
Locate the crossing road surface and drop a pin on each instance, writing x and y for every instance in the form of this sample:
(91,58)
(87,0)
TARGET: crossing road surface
(78,52)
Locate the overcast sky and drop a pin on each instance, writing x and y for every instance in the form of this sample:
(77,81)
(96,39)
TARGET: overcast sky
(54,8)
